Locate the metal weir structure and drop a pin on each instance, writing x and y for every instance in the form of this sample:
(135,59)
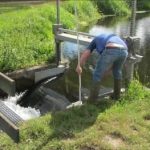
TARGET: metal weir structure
(9,120)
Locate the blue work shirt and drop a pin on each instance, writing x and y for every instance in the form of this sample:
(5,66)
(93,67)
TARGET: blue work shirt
(99,42)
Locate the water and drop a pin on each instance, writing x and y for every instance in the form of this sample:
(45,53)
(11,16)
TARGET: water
(142,30)
(24,113)
(120,26)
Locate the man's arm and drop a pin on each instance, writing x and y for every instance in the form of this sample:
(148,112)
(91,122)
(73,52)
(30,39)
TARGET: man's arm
(85,55)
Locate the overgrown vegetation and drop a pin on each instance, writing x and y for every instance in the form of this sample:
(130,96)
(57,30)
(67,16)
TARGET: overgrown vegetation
(143,5)
(84,10)
(113,7)
(121,7)
(26,37)
(110,125)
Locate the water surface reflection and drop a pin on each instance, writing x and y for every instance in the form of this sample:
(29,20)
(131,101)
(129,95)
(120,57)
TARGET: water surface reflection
(120,26)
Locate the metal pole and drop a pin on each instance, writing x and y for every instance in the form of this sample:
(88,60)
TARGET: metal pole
(58,11)
(133,18)
(77,33)
(58,45)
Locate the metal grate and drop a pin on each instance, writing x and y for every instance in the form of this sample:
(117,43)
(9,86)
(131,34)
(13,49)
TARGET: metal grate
(9,114)
(9,121)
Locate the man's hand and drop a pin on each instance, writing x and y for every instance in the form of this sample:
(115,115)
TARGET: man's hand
(79,69)
(85,55)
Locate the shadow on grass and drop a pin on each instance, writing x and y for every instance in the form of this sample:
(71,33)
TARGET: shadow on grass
(66,124)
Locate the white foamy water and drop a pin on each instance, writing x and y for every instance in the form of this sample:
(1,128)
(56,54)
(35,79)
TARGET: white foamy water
(24,113)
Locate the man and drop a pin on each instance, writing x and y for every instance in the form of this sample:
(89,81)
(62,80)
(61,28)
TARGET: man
(113,51)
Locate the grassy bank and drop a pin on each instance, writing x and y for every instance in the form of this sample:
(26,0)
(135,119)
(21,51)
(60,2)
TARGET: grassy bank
(113,7)
(109,125)
(120,7)
(87,11)
(26,37)
(143,5)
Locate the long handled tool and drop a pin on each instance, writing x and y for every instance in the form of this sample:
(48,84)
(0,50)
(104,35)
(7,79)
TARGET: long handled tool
(79,102)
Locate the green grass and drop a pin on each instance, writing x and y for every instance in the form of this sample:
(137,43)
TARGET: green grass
(113,7)
(123,124)
(85,11)
(26,37)
(143,5)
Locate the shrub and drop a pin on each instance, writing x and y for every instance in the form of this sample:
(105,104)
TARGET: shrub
(117,7)
(86,10)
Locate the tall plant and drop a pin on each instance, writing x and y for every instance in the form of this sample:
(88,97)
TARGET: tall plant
(113,7)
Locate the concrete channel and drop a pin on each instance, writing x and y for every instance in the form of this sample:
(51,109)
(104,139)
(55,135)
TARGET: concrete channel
(45,99)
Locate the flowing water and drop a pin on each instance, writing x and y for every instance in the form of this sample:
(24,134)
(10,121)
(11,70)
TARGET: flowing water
(24,113)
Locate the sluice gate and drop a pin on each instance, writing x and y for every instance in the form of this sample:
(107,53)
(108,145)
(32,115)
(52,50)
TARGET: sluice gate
(9,123)
(9,120)
(42,98)
(51,100)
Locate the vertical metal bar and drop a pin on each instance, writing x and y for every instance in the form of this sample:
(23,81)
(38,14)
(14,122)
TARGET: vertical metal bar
(58,54)
(133,18)
(57,44)
(77,33)
(58,11)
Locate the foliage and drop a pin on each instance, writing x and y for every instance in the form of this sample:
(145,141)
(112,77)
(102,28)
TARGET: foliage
(135,91)
(113,7)
(31,29)
(143,5)
(26,37)
(86,10)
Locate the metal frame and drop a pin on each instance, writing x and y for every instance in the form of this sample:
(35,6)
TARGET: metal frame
(9,122)
(7,84)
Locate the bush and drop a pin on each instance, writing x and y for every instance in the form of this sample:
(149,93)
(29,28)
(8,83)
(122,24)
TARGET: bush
(143,5)
(135,91)
(86,10)
(113,7)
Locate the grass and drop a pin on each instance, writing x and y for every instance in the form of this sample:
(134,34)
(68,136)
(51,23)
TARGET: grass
(123,124)
(85,11)
(115,7)
(26,37)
